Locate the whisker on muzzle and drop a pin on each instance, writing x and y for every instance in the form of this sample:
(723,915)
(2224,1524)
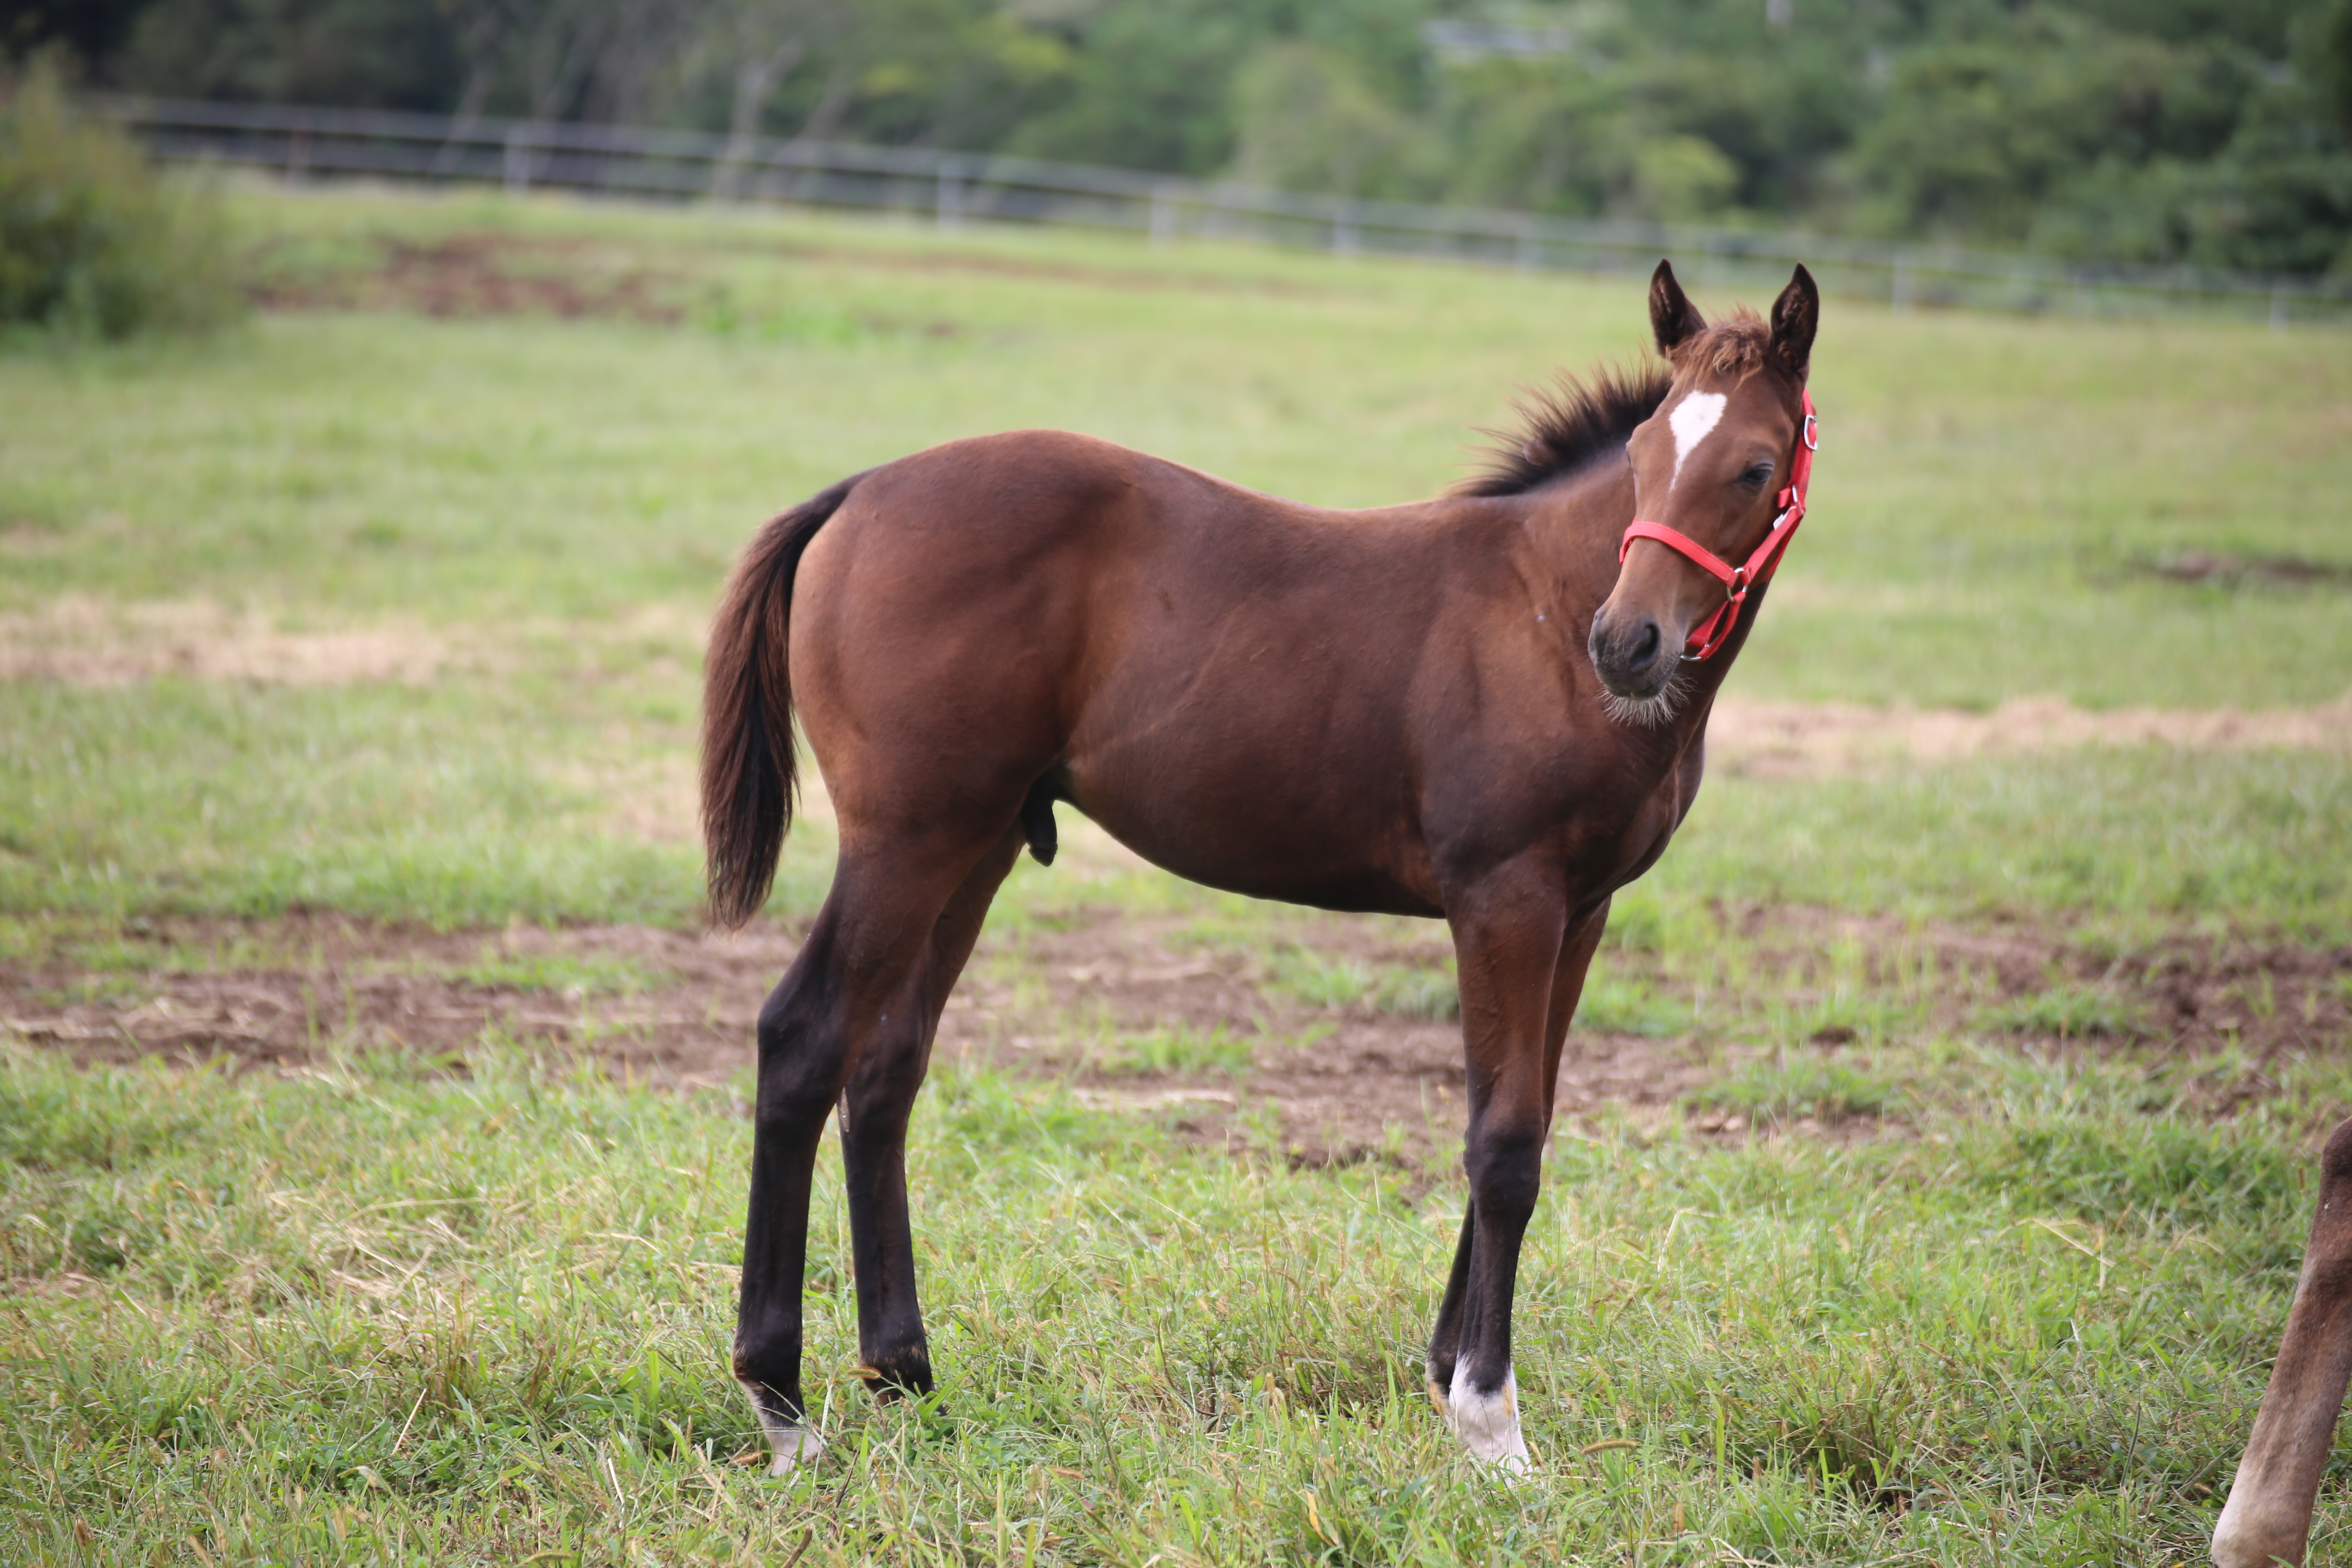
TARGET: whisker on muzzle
(1650,713)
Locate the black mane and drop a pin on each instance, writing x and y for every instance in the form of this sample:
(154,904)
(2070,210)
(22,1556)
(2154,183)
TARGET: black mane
(1563,429)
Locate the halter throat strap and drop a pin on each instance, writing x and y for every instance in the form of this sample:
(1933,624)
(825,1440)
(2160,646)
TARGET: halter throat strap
(1708,636)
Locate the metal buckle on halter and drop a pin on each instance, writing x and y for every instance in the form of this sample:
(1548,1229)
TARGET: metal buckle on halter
(1812,433)
(1735,594)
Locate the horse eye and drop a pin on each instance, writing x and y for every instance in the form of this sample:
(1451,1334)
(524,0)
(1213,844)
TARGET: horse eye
(1755,477)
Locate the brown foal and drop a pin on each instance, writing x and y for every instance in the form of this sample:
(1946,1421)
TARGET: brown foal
(1463,709)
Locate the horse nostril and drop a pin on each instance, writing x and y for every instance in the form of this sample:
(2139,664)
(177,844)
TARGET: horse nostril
(1646,645)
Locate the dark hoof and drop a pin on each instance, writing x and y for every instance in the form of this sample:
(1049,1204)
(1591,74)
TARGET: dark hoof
(899,1375)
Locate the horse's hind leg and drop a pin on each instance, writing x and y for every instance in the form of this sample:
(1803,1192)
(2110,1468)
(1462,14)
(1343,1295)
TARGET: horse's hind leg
(868,939)
(2268,1517)
(875,1109)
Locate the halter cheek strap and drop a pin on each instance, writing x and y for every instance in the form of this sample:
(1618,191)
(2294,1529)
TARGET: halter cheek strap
(1709,635)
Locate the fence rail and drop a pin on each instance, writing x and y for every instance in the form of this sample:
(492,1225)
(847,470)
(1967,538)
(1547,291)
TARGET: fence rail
(953,188)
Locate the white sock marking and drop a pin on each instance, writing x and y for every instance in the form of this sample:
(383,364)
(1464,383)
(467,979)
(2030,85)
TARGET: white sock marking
(1693,419)
(793,1444)
(1488,1424)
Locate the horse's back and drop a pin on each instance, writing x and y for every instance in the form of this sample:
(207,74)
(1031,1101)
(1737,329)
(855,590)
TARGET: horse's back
(1079,551)
(1236,686)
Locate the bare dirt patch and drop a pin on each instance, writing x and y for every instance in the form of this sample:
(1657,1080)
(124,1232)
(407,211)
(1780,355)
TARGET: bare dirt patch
(470,274)
(85,641)
(1138,1014)
(1129,279)
(1821,739)
(2243,571)
(82,639)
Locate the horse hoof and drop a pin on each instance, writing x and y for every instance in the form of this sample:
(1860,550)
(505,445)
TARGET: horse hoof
(2242,1548)
(1488,1423)
(903,1374)
(794,1446)
(794,1443)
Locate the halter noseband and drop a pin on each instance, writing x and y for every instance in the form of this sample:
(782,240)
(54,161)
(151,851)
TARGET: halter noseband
(1757,570)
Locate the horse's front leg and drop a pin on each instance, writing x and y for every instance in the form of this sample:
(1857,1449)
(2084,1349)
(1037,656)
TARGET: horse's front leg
(1567,987)
(1508,945)
(2267,1520)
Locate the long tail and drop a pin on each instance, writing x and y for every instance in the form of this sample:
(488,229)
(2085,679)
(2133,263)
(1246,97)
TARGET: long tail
(750,777)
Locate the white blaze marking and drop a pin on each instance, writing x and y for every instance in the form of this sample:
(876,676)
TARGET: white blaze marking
(793,1444)
(1693,418)
(1488,1424)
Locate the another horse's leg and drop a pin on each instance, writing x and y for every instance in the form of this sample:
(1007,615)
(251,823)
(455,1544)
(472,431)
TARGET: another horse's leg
(868,939)
(874,1114)
(1508,937)
(1567,986)
(2268,1517)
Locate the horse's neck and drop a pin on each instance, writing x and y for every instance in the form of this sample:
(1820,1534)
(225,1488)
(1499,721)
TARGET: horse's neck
(1573,526)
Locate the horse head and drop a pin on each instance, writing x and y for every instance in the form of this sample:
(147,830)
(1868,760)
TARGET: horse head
(1719,474)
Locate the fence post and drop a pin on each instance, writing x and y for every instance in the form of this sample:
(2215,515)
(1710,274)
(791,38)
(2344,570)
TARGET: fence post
(298,154)
(1162,221)
(948,207)
(517,160)
(1902,285)
(1343,230)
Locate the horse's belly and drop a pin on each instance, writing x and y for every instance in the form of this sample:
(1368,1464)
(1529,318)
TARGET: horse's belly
(1328,854)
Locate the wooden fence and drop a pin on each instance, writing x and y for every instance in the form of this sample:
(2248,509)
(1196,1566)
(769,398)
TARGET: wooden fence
(953,188)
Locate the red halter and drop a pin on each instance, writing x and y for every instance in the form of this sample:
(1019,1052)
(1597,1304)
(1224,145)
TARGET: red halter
(1709,635)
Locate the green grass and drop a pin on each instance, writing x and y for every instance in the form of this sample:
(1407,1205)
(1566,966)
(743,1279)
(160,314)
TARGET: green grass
(2068,1012)
(1183,1048)
(1986,485)
(369,1314)
(1787,1087)
(197,797)
(2139,839)
(1614,1004)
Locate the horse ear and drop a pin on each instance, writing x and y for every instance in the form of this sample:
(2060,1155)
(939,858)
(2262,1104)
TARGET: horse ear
(1796,316)
(1671,315)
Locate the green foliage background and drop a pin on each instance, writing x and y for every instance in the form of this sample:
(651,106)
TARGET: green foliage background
(89,244)
(2132,130)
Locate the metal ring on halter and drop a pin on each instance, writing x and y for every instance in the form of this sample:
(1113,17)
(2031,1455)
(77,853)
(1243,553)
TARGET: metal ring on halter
(1812,434)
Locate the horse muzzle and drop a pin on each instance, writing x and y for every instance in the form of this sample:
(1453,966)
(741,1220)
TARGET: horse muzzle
(1631,653)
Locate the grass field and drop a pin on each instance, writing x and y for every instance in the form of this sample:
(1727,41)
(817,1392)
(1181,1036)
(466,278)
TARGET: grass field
(371,1145)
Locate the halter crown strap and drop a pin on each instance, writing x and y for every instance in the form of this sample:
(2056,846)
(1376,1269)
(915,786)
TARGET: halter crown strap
(1709,635)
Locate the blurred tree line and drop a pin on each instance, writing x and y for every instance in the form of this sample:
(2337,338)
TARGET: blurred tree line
(2212,132)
